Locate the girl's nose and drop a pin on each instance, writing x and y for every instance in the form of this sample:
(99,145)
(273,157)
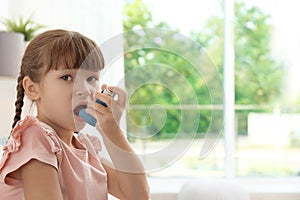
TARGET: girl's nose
(84,90)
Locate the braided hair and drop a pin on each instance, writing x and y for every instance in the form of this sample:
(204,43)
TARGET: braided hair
(19,102)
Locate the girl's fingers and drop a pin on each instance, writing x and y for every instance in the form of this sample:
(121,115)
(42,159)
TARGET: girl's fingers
(104,98)
(99,106)
(103,86)
(103,104)
(117,90)
(121,95)
(118,95)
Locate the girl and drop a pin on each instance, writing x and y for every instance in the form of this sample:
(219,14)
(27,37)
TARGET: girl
(45,157)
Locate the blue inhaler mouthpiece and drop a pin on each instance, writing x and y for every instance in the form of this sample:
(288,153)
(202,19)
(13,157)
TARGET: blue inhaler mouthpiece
(89,118)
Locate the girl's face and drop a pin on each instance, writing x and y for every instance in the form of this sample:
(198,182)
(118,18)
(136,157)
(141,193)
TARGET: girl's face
(63,93)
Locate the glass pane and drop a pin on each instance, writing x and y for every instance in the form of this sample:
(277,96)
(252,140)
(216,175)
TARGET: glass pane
(267,88)
(174,117)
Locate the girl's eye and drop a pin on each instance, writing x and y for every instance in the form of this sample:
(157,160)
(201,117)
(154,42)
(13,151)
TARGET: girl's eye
(92,79)
(66,77)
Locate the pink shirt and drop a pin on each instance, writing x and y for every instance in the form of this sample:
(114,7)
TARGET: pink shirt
(81,174)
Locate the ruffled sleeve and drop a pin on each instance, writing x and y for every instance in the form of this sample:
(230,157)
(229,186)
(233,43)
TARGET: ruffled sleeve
(29,140)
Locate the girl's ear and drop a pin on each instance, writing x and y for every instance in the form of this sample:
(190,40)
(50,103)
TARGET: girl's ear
(31,88)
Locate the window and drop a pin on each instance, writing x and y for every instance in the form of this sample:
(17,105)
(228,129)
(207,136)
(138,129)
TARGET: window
(261,135)
(270,145)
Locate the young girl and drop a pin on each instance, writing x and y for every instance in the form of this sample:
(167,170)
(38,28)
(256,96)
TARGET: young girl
(45,157)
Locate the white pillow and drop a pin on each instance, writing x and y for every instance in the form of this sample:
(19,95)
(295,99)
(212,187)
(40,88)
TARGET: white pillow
(212,190)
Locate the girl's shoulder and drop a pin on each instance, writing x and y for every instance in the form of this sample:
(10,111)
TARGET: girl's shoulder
(31,139)
(31,127)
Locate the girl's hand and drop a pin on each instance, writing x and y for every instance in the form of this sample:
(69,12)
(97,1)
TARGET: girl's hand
(108,118)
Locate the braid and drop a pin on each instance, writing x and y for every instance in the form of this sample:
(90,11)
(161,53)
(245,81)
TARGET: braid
(19,102)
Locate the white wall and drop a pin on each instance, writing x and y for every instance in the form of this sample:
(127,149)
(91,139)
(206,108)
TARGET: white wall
(97,19)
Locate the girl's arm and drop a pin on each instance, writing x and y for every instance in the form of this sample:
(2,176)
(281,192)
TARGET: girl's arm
(40,181)
(126,175)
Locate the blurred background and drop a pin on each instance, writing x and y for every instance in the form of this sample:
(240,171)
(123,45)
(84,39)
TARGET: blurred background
(253,45)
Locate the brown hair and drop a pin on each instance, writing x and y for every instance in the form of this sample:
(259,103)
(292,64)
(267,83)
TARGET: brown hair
(52,50)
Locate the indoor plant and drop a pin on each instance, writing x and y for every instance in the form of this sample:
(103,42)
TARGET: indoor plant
(27,27)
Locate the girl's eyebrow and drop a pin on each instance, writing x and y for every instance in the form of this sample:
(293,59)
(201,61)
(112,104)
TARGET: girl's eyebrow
(66,70)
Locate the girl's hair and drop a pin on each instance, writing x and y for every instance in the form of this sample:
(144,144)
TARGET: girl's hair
(53,50)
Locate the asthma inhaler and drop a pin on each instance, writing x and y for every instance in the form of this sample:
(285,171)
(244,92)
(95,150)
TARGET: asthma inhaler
(89,118)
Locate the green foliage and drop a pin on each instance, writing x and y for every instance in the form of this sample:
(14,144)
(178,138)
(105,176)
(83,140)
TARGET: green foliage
(136,15)
(25,26)
(258,77)
(256,70)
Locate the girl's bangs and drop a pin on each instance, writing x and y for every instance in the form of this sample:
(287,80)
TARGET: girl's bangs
(75,53)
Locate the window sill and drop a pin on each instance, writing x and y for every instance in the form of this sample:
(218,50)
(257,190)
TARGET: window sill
(258,188)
